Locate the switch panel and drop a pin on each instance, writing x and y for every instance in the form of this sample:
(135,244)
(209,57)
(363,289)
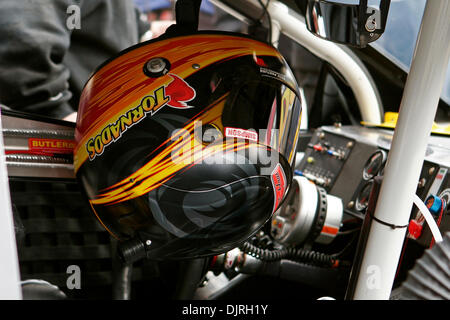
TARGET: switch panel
(324,158)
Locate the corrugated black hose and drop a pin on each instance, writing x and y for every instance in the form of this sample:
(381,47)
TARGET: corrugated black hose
(295,254)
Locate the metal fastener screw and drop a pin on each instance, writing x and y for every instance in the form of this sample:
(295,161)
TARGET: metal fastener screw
(371,25)
(156,65)
(350,204)
(196,66)
(148,242)
(422,183)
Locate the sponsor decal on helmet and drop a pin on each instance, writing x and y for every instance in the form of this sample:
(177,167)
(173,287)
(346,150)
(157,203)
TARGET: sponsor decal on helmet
(272,74)
(279,185)
(174,95)
(241,134)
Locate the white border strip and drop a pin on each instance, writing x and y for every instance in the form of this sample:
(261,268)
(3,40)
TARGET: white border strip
(10,288)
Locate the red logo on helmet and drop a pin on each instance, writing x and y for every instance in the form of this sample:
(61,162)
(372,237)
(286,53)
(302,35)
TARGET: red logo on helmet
(279,185)
(179,92)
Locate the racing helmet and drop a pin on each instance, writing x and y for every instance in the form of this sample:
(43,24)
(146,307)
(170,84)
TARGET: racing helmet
(186,144)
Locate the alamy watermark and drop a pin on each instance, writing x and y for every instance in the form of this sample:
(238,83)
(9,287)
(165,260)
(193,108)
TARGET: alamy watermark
(73,20)
(74,279)
(209,145)
(373,281)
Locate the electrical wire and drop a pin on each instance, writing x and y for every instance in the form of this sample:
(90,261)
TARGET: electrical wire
(341,233)
(348,245)
(299,255)
(351,220)
(350,231)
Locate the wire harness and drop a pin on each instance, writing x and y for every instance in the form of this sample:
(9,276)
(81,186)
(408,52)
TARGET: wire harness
(295,254)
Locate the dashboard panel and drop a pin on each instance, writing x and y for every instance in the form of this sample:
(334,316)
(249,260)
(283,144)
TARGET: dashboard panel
(344,160)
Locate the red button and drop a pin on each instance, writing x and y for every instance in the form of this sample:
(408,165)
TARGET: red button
(415,229)
(318,147)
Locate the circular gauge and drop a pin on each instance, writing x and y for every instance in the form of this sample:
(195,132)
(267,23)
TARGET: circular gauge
(362,200)
(374,164)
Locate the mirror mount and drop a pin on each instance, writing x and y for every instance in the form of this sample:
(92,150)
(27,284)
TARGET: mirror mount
(351,24)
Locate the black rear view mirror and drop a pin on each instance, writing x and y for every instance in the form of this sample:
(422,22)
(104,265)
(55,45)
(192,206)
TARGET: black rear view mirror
(351,22)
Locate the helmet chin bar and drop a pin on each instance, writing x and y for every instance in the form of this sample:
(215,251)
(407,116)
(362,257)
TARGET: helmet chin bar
(308,214)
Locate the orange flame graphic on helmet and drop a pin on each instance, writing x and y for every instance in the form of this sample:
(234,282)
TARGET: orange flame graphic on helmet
(120,85)
(174,95)
(162,167)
